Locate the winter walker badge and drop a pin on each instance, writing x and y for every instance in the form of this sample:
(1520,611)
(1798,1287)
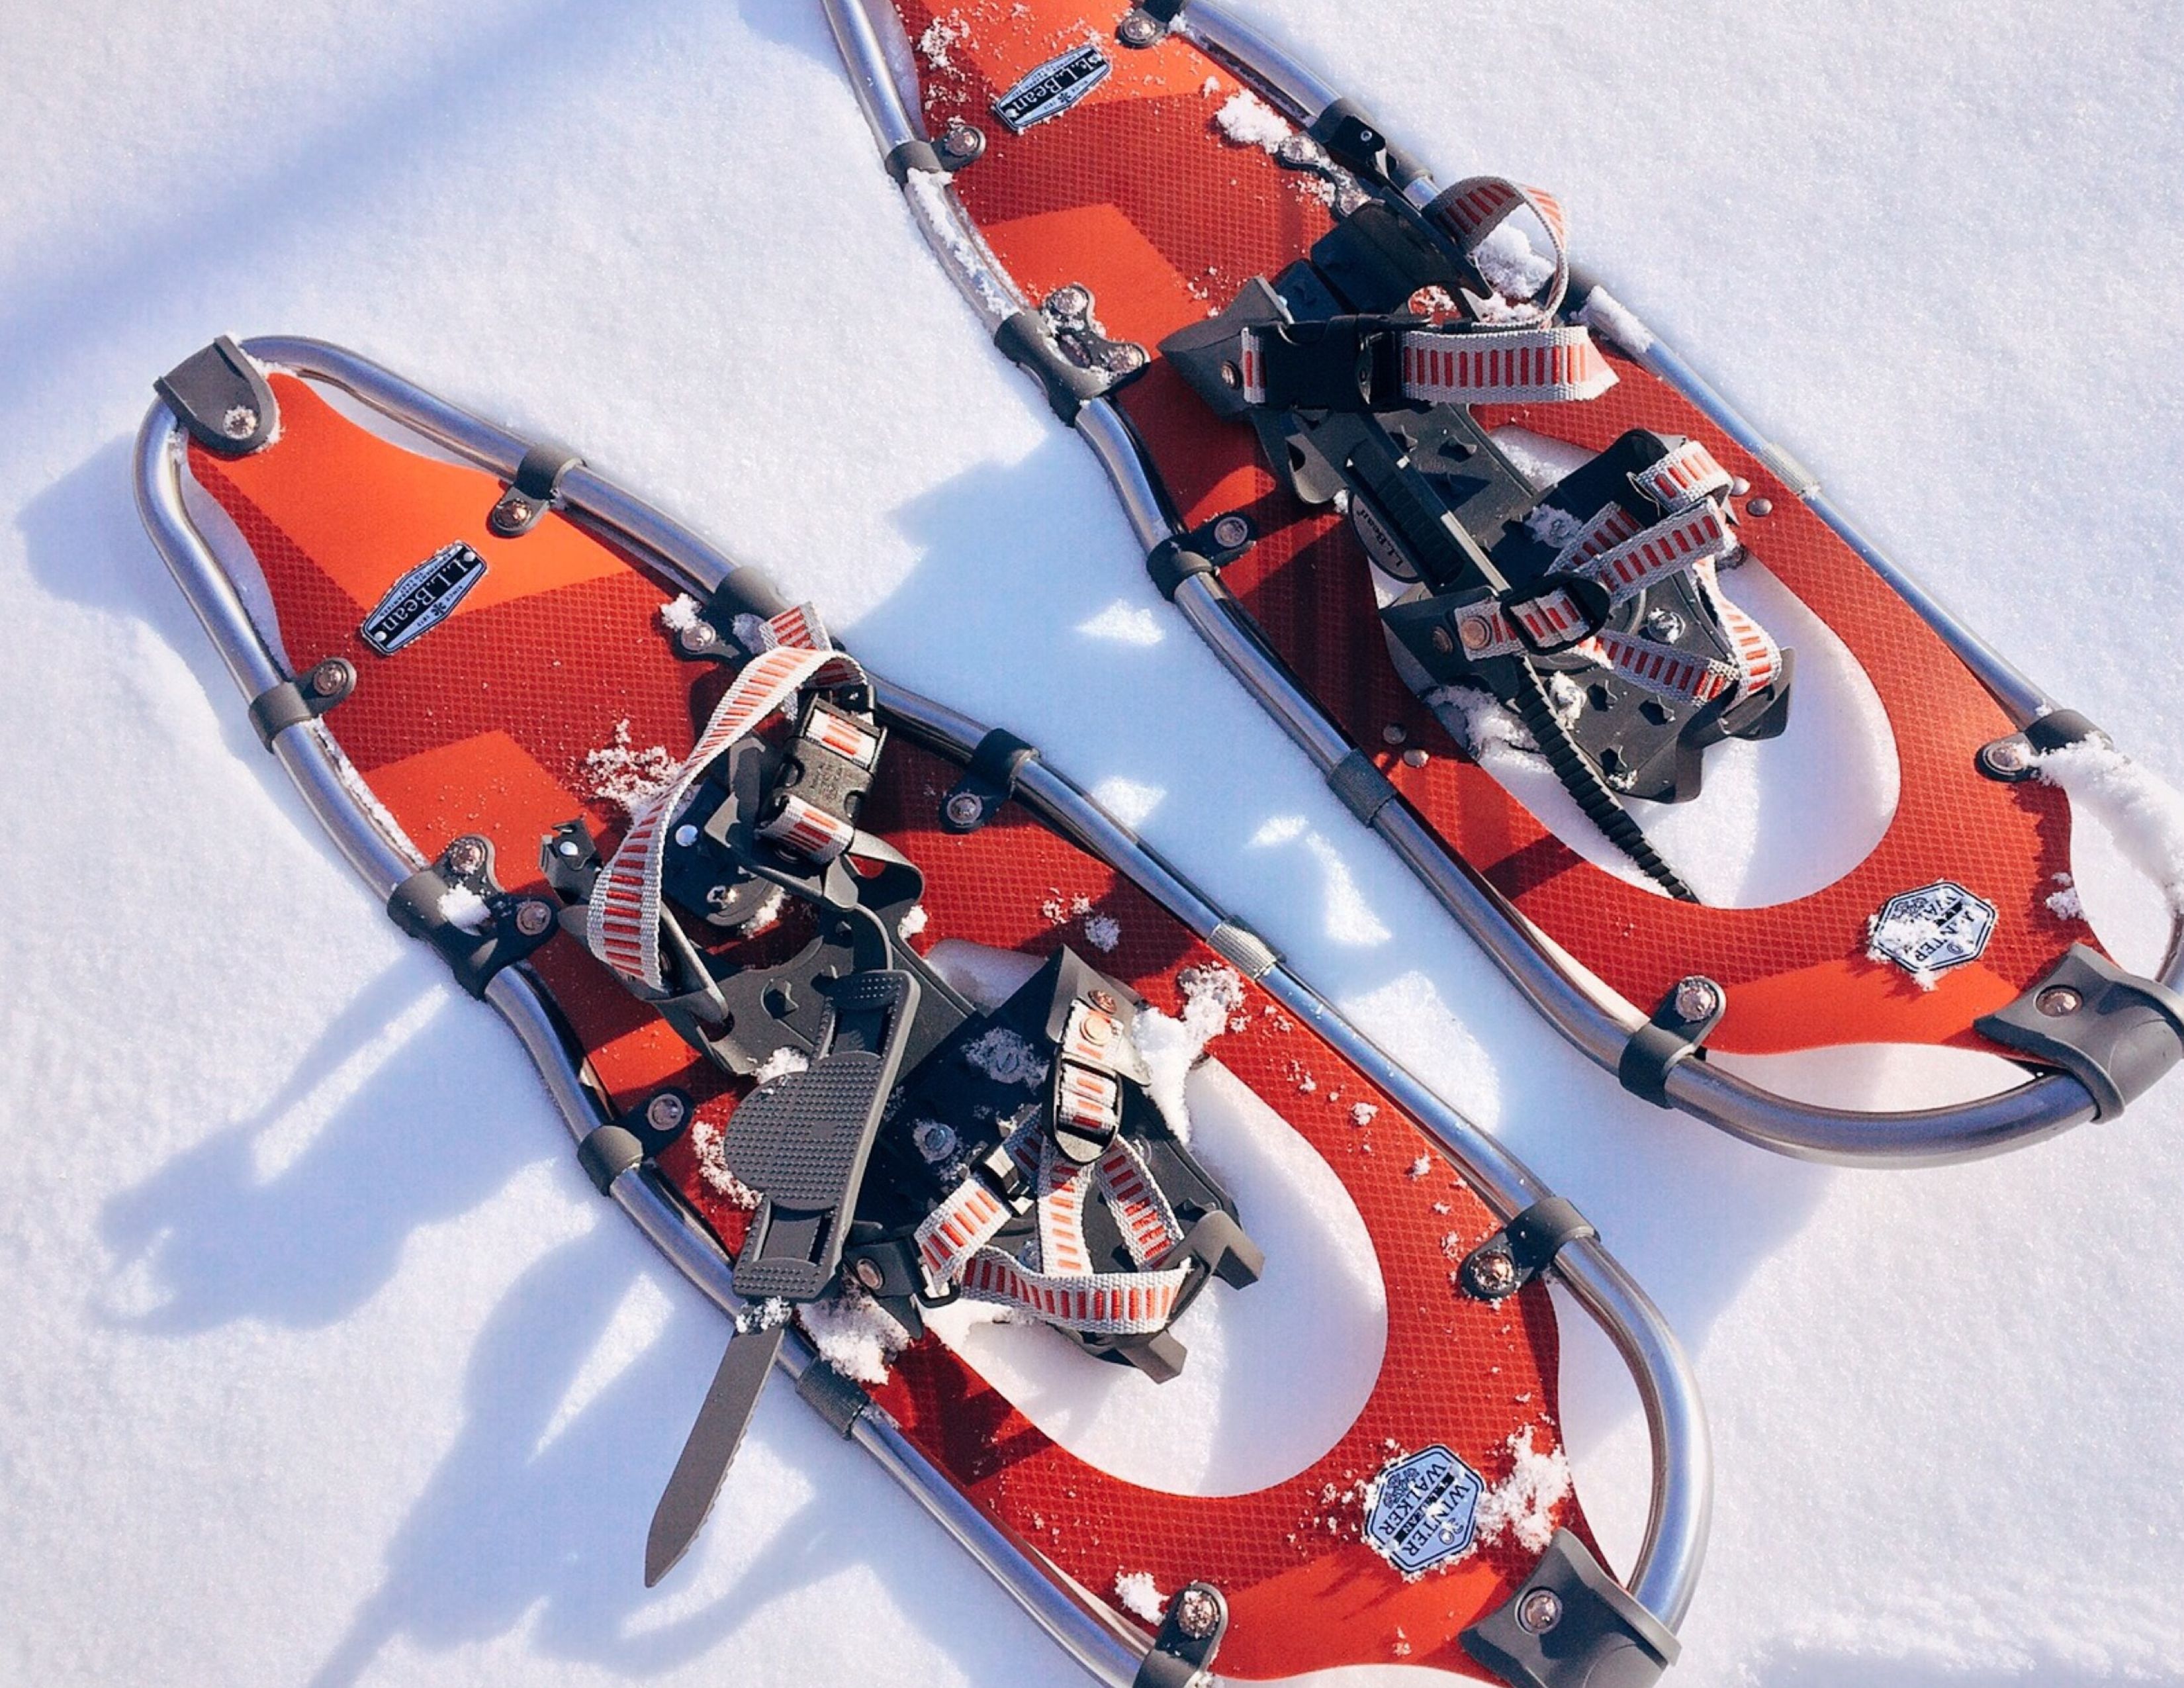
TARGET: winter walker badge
(1420,1512)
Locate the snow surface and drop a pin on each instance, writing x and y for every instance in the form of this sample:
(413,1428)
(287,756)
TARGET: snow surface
(326,1365)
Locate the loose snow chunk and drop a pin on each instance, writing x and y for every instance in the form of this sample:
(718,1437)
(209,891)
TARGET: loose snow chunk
(2064,904)
(1420,1167)
(911,923)
(1171,1046)
(1103,932)
(679,614)
(940,35)
(1363,1114)
(463,908)
(1213,87)
(1523,1502)
(781,1063)
(1510,264)
(2135,808)
(1489,730)
(1905,934)
(1248,121)
(629,777)
(1140,1596)
(1006,1058)
(854,1335)
(1609,318)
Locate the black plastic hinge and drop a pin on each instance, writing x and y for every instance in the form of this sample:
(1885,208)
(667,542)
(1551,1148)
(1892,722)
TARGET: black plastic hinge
(1206,549)
(2015,757)
(307,697)
(1189,1637)
(838,1398)
(1572,1625)
(1353,140)
(606,1153)
(2112,1031)
(1523,1249)
(1690,1011)
(1365,791)
(989,780)
(476,946)
(220,397)
(1027,342)
(533,491)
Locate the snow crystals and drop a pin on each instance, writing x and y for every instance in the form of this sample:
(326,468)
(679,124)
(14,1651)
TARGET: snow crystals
(1171,1046)
(706,1143)
(1511,264)
(942,34)
(855,1335)
(2063,902)
(463,908)
(1248,121)
(2144,815)
(626,777)
(1006,1058)
(1363,1114)
(1103,932)
(1140,1596)
(1522,1504)
(911,923)
(781,1063)
(680,613)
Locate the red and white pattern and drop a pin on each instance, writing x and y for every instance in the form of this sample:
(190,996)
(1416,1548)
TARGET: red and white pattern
(808,829)
(1087,1100)
(1099,1304)
(798,628)
(1662,668)
(1699,535)
(1684,478)
(963,1223)
(1477,206)
(1609,527)
(1503,366)
(1149,1226)
(1759,658)
(1552,619)
(843,736)
(623,922)
(1063,1186)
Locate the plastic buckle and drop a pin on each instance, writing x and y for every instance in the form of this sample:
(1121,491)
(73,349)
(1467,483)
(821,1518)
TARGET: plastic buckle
(1594,606)
(1347,363)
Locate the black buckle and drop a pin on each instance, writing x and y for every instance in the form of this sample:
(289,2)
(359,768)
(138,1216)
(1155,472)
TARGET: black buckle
(1594,606)
(1347,363)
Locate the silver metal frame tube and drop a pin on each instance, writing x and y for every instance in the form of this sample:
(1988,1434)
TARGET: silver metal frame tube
(1596,1022)
(1667,1563)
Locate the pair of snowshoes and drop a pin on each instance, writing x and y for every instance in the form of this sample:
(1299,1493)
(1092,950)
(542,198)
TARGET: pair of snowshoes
(883,1032)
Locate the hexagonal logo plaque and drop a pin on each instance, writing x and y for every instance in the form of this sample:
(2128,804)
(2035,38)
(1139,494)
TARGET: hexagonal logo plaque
(1933,928)
(1419,1512)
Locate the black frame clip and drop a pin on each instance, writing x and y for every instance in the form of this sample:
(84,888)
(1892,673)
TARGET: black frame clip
(535,488)
(989,780)
(513,928)
(222,399)
(1189,1637)
(1679,1027)
(1523,1249)
(1206,549)
(2112,1031)
(307,697)
(1572,1625)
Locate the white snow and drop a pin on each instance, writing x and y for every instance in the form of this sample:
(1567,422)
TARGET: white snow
(1006,1058)
(2142,813)
(1171,1044)
(628,774)
(463,908)
(781,1063)
(1510,264)
(1248,121)
(1140,1596)
(1524,1503)
(413,1320)
(855,1334)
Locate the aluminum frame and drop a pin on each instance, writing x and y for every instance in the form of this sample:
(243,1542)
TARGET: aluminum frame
(1597,1021)
(1680,1505)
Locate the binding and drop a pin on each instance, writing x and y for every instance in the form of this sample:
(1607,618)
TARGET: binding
(1589,608)
(906,1147)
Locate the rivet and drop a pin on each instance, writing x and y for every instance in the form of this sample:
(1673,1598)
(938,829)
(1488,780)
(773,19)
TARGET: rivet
(2058,1000)
(1443,640)
(965,809)
(466,855)
(869,1275)
(686,835)
(698,635)
(1477,633)
(962,143)
(1231,375)
(936,1142)
(1760,507)
(1697,999)
(1395,732)
(1415,757)
(1665,625)
(1136,29)
(239,423)
(568,847)
(1739,486)
(1540,1611)
(2006,757)
(1494,1273)
(1232,532)
(514,510)
(1124,358)
(1104,1000)
(666,1112)
(1196,1613)
(532,918)
(1071,303)
(330,676)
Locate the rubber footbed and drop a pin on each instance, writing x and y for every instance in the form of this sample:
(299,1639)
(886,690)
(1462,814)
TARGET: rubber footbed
(486,724)
(1139,194)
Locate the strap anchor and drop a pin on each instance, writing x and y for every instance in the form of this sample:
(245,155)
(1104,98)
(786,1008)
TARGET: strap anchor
(1189,1635)
(457,906)
(1687,1015)
(1523,1249)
